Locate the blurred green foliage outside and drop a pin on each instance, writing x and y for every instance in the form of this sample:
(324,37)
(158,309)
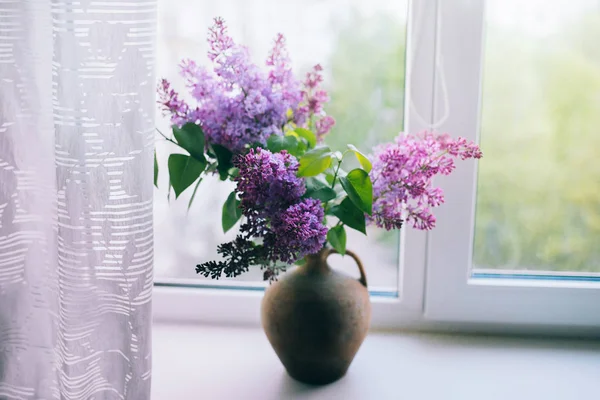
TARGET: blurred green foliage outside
(538,201)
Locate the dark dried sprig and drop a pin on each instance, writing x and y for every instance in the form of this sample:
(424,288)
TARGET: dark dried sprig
(238,256)
(271,272)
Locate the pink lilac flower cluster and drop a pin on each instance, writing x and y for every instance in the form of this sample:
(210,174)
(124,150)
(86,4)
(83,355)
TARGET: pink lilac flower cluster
(169,99)
(313,99)
(402,177)
(237,104)
(271,198)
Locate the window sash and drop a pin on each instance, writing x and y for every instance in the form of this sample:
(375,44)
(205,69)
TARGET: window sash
(452,293)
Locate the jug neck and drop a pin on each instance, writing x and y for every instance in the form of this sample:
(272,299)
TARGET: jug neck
(318,260)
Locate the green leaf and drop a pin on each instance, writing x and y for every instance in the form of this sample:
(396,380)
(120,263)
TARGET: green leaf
(210,153)
(317,189)
(276,143)
(315,162)
(310,137)
(314,183)
(302,147)
(323,194)
(212,167)
(359,188)
(234,172)
(191,138)
(337,238)
(155,170)
(329,178)
(183,171)
(224,160)
(231,212)
(301,261)
(350,215)
(194,194)
(362,159)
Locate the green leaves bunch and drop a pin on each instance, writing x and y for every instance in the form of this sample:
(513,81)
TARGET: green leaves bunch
(186,170)
(346,196)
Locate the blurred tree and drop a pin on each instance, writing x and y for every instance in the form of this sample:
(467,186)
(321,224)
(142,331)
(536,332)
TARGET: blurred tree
(367,81)
(538,203)
(367,92)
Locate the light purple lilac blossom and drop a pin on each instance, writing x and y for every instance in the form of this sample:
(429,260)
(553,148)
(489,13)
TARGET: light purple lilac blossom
(270,194)
(169,100)
(402,177)
(236,103)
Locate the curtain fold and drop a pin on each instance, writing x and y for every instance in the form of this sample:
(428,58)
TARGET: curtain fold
(76,241)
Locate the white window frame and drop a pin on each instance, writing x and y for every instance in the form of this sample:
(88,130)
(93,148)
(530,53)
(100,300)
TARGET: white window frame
(452,293)
(436,291)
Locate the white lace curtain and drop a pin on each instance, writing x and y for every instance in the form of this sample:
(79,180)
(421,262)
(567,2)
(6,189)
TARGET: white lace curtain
(76,143)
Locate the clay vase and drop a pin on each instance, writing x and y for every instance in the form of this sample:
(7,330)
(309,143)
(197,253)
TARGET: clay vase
(317,318)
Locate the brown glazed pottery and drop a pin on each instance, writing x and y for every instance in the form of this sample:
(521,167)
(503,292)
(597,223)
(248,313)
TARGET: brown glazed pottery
(317,318)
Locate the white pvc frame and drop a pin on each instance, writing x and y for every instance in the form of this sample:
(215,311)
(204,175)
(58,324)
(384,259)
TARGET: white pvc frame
(452,294)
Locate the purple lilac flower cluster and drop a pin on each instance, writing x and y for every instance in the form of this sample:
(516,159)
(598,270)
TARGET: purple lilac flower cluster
(267,181)
(270,194)
(297,231)
(402,177)
(238,105)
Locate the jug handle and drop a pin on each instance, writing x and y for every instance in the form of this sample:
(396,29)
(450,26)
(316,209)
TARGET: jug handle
(363,276)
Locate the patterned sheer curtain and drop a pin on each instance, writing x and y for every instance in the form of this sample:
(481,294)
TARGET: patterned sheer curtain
(76,145)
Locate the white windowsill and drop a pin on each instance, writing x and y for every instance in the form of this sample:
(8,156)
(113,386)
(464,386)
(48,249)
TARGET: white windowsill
(222,363)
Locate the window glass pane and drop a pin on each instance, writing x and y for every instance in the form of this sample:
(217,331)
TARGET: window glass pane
(361,46)
(538,199)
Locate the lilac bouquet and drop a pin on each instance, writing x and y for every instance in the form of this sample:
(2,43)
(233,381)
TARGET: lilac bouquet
(264,130)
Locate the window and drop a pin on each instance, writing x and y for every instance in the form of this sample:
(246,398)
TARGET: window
(537,207)
(367,100)
(517,240)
